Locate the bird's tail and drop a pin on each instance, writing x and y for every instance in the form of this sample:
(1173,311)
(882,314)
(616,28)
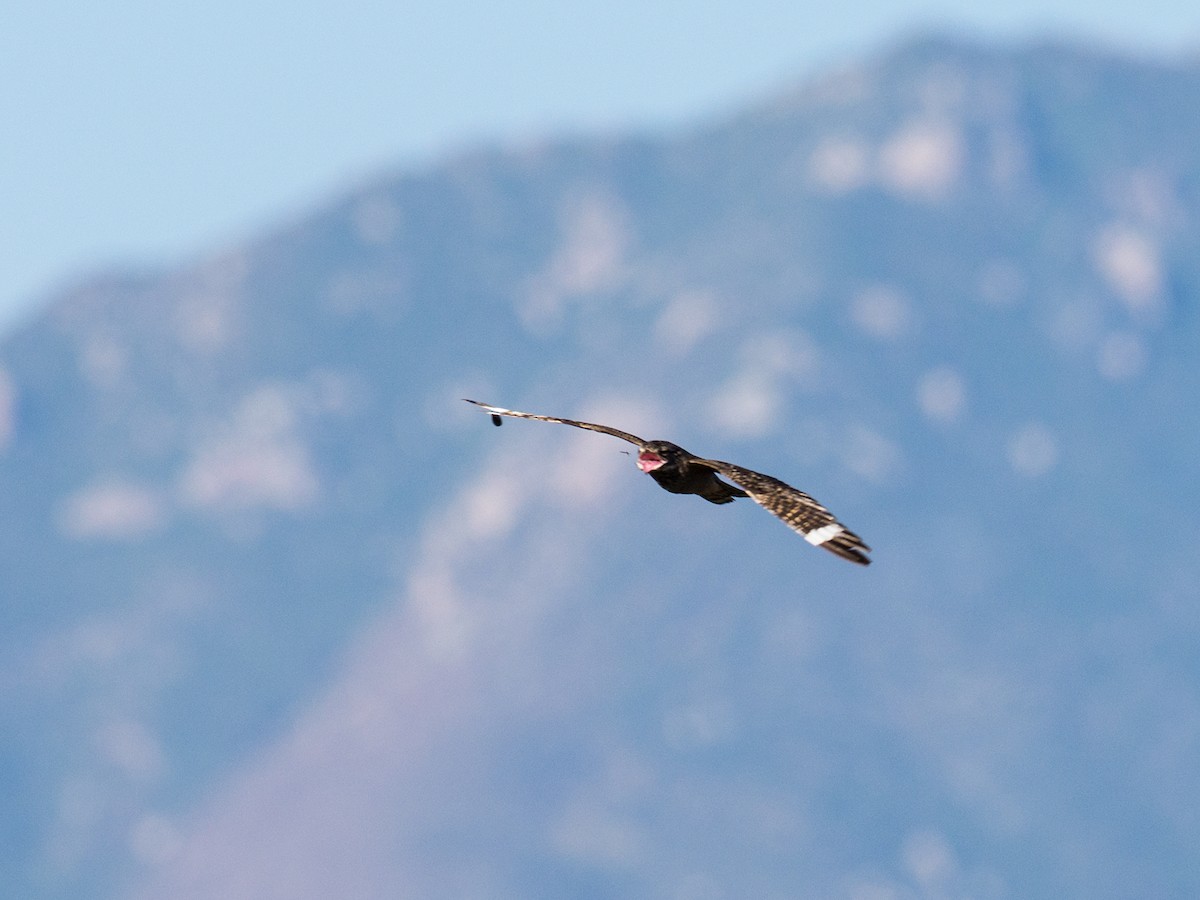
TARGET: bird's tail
(717,491)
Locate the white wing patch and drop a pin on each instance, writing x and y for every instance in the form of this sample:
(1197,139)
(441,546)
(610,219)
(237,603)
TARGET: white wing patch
(497,409)
(818,536)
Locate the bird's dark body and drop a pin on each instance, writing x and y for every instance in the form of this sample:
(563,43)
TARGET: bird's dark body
(679,475)
(680,472)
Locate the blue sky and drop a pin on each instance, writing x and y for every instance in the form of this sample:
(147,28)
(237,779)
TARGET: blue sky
(141,132)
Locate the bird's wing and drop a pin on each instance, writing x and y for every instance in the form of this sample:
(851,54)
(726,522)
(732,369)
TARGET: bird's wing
(798,510)
(603,429)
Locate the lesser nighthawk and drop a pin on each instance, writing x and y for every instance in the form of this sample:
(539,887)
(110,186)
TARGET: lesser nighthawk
(680,472)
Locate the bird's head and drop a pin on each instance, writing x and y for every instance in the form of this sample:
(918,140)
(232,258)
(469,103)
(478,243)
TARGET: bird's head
(659,454)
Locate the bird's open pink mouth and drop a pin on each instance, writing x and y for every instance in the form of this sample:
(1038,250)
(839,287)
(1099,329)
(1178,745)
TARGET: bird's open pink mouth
(648,461)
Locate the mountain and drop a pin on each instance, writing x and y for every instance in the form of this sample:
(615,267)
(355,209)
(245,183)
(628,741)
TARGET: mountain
(283,617)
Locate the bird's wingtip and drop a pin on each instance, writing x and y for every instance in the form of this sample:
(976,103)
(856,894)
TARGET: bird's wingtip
(853,549)
(492,409)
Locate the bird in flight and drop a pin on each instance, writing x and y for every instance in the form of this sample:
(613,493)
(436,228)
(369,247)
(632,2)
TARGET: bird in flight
(680,472)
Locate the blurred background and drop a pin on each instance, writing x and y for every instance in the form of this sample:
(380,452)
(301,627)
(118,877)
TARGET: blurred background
(281,617)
